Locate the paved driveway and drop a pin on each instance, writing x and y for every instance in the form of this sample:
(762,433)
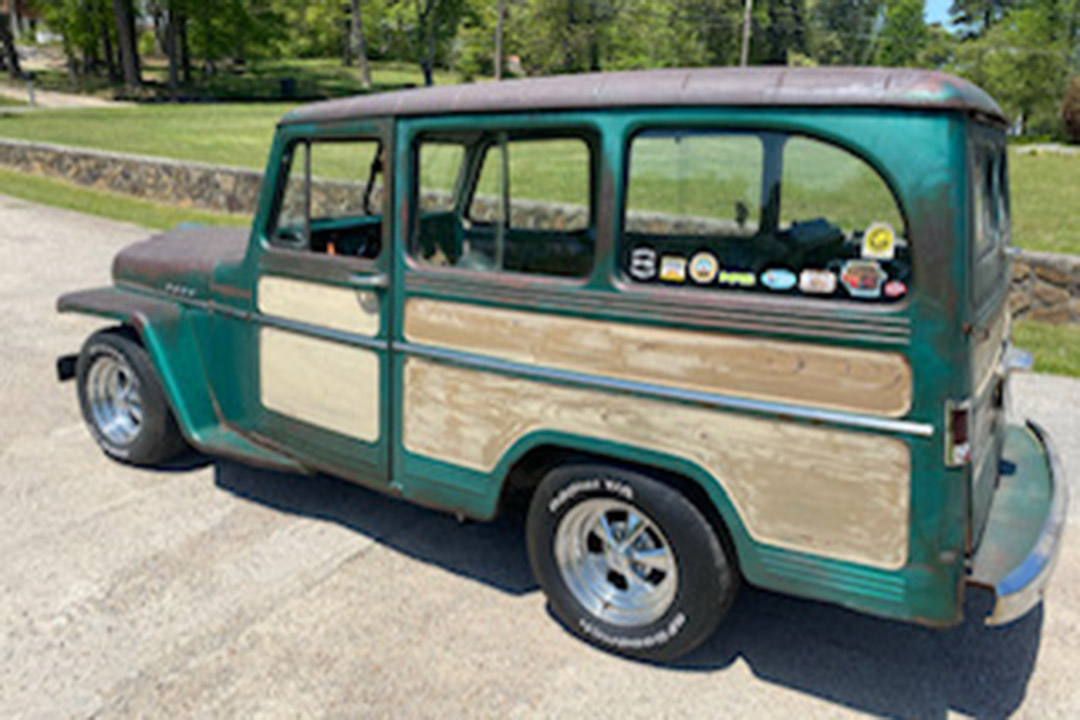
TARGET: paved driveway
(213,589)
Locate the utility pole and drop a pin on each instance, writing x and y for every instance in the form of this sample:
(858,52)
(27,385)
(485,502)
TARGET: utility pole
(499,40)
(744,56)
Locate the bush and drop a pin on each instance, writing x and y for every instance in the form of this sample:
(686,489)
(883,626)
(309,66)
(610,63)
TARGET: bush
(1070,111)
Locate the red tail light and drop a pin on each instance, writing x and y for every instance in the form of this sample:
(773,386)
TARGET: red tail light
(957,433)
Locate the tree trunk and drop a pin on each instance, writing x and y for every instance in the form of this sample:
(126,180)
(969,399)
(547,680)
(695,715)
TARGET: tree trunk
(125,34)
(172,47)
(110,53)
(359,43)
(499,62)
(425,38)
(185,53)
(11,55)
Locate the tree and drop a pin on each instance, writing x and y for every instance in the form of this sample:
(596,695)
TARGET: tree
(129,49)
(845,31)
(357,43)
(903,34)
(783,31)
(9,56)
(1070,110)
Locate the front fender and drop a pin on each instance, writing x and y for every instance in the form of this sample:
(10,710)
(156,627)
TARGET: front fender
(167,331)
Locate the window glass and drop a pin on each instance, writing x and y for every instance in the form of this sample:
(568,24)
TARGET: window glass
(525,209)
(695,184)
(440,167)
(341,182)
(761,212)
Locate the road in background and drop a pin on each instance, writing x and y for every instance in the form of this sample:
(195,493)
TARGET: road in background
(214,589)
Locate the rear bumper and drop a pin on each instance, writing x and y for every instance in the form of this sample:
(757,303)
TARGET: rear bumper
(1019,547)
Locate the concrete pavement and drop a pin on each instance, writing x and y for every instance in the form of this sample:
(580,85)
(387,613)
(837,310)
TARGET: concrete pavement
(213,589)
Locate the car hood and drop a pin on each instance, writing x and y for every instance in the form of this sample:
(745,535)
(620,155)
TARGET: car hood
(180,261)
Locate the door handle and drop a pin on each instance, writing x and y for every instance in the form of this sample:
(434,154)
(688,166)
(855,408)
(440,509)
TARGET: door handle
(379,281)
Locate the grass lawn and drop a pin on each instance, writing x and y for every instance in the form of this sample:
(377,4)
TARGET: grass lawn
(1046,201)
(9,102)
(1056,347)
(106,204)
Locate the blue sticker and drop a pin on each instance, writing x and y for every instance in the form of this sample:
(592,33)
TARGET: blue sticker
(778,279)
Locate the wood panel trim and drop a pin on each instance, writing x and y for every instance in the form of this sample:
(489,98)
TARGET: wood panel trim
(329,306)
(843,379)
(838,494)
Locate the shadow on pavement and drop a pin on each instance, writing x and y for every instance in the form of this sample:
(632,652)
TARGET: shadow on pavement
(868,664)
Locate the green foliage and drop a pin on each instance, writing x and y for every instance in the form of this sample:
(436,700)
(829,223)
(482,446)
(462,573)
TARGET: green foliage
(844,31)
(903,35)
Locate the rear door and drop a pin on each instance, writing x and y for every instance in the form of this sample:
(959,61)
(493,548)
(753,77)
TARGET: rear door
(321,309)
(990,236)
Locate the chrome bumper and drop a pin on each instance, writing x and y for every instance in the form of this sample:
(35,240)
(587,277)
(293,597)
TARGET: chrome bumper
(1019,589)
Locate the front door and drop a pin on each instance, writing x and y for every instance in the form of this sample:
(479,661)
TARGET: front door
(321,306)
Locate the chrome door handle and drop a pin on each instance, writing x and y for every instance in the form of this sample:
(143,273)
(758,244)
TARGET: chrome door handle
(370,282)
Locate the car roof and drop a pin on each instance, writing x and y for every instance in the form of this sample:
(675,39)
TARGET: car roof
(753,87)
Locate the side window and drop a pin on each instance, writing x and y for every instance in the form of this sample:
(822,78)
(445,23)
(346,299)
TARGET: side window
(761,212)
(521,205)
(331,198)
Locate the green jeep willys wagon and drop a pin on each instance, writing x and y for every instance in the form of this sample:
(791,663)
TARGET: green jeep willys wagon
(714,325)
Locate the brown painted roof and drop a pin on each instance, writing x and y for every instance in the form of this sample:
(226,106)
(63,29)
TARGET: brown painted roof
(755,86)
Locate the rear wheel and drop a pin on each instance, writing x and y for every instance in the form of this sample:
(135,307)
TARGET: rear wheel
(627,561)
(122,400)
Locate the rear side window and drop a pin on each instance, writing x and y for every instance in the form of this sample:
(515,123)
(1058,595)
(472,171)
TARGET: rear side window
(516,204)
(761,212)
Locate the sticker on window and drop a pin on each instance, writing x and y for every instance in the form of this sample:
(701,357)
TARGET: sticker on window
(703,267)
(817,282)
(863,278)
(642,263)
(673,268)
(778,279)
(879,242)
(736,278)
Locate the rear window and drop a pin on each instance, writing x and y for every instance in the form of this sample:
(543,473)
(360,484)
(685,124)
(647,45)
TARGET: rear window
(761,212)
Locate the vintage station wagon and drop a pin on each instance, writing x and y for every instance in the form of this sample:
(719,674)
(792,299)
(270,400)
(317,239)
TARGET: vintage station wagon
(712,325)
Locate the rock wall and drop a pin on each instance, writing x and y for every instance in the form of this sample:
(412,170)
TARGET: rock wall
(1045,286)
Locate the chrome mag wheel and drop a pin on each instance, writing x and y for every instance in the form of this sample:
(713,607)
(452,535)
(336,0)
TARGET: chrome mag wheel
(616,562)
(115,401)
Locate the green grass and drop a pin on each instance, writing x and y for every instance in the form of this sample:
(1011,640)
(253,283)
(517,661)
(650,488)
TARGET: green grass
(10,102)
(1046,201)
(1056,347)
(106,204)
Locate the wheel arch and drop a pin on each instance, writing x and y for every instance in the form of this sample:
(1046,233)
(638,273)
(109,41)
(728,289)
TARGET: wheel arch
(530,459)
(162,328)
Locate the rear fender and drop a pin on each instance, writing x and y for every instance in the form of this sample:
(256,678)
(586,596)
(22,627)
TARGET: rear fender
(167,331)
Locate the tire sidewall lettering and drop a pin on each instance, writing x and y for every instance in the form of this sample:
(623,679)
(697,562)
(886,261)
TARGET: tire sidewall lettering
(588,487)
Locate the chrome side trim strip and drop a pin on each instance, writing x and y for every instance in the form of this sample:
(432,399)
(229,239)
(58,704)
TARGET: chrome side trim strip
(321,332)
(779,410)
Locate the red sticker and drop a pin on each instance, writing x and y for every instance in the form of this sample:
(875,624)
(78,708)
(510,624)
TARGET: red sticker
(895,289)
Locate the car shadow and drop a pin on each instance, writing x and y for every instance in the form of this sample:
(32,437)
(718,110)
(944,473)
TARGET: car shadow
(865,663)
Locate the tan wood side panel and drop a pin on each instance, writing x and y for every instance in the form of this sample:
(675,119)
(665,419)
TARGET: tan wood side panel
(323,383)
(834,493)
(873,382)
(328,306)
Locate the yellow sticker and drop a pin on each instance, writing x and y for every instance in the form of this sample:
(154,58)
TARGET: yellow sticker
(703,267)
(879,242)
(673,268)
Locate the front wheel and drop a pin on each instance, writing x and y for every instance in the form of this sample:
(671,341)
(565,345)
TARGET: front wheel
(123,402)
(628,562)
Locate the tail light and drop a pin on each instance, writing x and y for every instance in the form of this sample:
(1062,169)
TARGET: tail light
(957,433)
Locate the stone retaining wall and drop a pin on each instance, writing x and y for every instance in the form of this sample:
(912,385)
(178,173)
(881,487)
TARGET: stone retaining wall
(1045,286)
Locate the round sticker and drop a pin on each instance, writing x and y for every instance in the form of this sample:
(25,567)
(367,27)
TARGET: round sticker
(879,242)
(703,267)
